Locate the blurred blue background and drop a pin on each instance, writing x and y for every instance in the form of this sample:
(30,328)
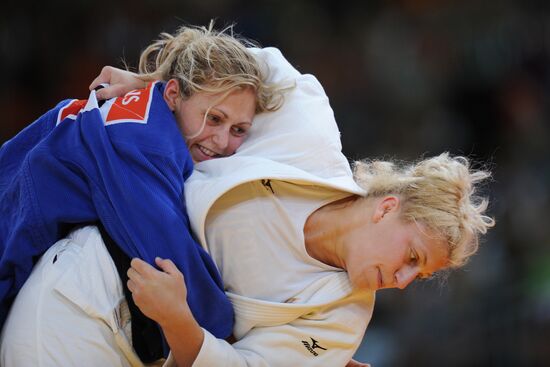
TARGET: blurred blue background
(406,78)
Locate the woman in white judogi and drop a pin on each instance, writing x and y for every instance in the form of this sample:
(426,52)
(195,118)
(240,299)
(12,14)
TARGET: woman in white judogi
(301,246)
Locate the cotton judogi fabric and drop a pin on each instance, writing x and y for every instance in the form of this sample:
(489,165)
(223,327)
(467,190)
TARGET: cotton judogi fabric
(249,211)
(292,310)
(123,164)
(71,311)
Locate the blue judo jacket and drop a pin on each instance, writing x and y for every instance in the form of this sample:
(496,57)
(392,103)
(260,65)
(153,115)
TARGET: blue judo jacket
(123,164)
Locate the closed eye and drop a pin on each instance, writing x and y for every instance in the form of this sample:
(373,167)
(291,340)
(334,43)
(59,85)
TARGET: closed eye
(413,256)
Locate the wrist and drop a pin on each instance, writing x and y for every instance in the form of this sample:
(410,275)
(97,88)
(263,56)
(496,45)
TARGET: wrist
(185,338)
(179,317)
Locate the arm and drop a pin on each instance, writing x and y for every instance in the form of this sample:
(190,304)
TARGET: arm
(120,82)
(325,338)
(159,295)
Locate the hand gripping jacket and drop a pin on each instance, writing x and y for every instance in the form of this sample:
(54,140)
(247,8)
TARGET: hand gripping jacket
(124,165)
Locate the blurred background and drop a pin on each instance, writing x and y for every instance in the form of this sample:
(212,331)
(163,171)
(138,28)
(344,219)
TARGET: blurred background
(406,79)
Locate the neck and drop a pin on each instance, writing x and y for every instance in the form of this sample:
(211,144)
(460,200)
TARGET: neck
(325,230)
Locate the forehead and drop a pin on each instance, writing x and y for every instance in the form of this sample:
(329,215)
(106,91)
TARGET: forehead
(434,247)
(238,102)
(234,95)
(240,96)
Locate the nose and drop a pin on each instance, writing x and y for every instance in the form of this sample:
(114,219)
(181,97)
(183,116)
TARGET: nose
(221,137)
(405,276)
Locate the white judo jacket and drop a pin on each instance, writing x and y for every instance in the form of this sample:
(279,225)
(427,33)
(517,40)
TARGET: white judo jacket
(325,323)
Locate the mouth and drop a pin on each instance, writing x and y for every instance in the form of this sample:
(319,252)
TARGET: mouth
(380,279)
(208,153)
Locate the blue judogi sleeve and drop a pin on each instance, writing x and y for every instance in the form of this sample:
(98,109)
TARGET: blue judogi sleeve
(124,165)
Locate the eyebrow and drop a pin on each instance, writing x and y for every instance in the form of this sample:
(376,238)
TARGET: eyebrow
(219,111)
(425,262)
(225,116)
(430,274)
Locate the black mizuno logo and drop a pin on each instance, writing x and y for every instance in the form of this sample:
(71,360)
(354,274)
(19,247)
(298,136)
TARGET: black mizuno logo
(267,185)
(312,346)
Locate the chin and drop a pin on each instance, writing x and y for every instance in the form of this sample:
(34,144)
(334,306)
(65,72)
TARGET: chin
(199,157)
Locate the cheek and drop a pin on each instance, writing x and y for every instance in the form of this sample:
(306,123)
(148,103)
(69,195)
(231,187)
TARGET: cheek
(363,272)
(396,250)
(234,143)
(205,135)
(189,124)
(386,250)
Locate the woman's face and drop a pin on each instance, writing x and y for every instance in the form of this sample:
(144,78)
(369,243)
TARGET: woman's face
(391,253)
(227,123)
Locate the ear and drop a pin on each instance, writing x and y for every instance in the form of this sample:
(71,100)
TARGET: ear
(385,205)
(172,93)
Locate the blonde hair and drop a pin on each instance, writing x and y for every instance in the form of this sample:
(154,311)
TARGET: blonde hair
(205,60)
(439,192)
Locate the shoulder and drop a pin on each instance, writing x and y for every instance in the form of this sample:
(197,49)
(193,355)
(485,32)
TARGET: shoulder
(133,107)
(142,118)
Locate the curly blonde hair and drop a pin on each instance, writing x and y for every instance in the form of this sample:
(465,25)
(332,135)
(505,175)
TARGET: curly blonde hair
(206,60)
(440,192)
